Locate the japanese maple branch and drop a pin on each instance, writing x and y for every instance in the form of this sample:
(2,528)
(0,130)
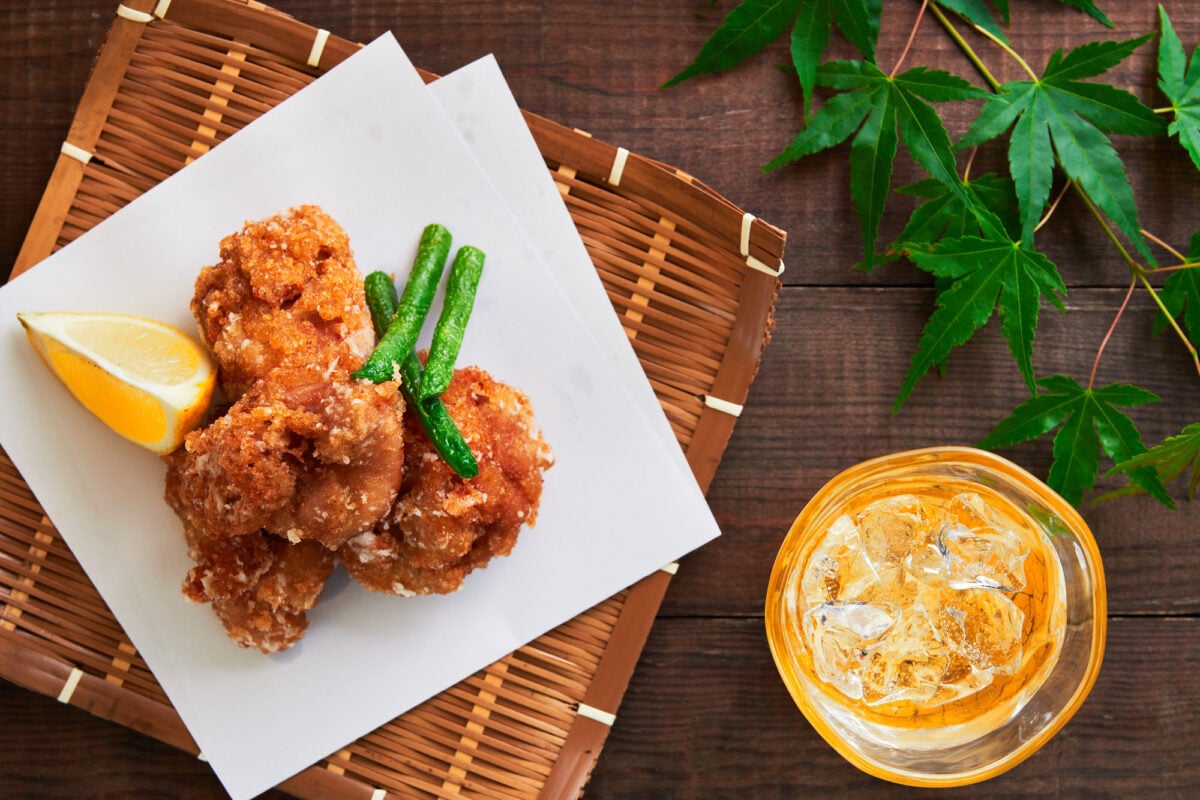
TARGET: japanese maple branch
(1108,334)
(911,36)
(1139,275)
(1183,260)
(1138,272)
(970,51)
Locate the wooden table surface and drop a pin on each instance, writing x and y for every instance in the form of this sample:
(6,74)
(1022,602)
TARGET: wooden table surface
(706,714)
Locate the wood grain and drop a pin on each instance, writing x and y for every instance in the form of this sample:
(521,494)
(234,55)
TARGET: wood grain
(706,715)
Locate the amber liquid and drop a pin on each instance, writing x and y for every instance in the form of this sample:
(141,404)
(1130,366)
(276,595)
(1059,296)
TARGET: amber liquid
(928,605)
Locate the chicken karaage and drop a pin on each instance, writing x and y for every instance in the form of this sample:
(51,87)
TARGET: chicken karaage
(442,527)
(286,292)
(308,465)
(300,455)
(259,586)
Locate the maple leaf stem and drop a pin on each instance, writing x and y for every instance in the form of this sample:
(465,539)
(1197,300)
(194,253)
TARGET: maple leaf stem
(1050,211)
(963,45)
(1164,246)
(1134,266)
(1175,268)
(1013,54)
(1187,344)
(970,160)
(911,36)
(1108,334)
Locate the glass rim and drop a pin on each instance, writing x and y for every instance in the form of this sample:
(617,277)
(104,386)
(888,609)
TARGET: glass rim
(1055,503)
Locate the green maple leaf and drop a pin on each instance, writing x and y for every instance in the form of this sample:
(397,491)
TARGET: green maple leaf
(1090,8)
(975,12)
(884,111)
(754,24)
(1180,295)
(745,31)
(1059,114)
(810,37)
(1088,421)
(1170,459)
(947,214)
(1179,80)
(985,274)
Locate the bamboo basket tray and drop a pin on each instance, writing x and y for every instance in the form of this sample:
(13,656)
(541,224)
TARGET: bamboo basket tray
(692,277)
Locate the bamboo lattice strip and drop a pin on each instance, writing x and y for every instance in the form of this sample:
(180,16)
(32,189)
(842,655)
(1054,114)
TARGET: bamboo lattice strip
(701,260)
(667,250)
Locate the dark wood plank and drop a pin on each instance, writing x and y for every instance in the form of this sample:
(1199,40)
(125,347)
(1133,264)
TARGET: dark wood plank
(708,717)
(53,751)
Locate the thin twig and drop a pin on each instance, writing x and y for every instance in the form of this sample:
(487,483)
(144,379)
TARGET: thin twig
(1139,274)
(1013,54)
(1050,211)
(1134,266)
(1108,334)
(970,161)
(1175,268)
(1163,245)
(968,51)
(1187,344)
(911,36)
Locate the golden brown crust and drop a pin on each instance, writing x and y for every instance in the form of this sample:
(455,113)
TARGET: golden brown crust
(442,527)
(286,292)
(299,455)
(259,586)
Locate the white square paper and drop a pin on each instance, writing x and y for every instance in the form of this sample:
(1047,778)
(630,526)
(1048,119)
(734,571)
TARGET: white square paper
(370,144)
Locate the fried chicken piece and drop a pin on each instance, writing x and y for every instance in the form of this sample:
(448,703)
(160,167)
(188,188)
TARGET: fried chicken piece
(286,292)
(300,455)
(442,527)
(259,586)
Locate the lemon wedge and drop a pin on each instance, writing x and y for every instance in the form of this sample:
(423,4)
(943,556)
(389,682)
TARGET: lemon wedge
(148,381)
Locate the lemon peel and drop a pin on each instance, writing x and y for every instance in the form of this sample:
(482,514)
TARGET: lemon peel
(148,381)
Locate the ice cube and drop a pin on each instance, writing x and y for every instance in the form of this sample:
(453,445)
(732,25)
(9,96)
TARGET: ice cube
(985,558)
(840,568)
(891,527)
(984,626)
(929,563)
(829,565)
(841,635)
(908,664)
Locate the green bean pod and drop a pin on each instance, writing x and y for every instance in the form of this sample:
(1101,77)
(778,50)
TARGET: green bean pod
(436,421)
(432,415)
(452,323)
(381,299)
(405,325)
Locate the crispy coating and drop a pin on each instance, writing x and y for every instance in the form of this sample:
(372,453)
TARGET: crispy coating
(286,292)
(442,527)
(259,586)
(300,455)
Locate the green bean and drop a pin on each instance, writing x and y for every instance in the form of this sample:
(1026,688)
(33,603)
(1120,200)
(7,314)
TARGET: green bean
(448,335)
(431,415)
(405,325)
(381,299)
(436,421)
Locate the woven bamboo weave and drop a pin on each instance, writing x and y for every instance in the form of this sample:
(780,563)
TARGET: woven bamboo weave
(692,278)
